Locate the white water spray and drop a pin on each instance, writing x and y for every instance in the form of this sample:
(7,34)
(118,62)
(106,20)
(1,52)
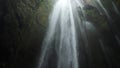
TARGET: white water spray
(59,48)
(61,35)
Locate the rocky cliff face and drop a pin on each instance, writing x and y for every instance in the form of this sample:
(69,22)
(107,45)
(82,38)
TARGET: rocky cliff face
(22,28)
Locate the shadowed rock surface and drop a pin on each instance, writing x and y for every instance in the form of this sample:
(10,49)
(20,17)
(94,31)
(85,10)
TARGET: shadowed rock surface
(22,28)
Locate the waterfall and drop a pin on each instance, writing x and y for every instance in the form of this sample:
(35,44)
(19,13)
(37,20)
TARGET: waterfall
(67,23)
(61,35)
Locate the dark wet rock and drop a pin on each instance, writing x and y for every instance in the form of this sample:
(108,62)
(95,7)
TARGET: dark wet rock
(22,28)
(94,16)
(97,53)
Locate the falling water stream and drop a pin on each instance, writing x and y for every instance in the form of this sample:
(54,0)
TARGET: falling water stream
(60,46)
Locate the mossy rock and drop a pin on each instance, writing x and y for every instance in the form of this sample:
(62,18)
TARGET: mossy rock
(94,16)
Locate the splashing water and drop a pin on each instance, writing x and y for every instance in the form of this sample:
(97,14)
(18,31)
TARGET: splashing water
(60,44)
